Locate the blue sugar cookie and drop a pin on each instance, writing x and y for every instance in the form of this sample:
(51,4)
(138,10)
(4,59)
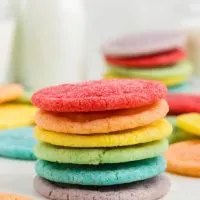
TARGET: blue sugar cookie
(180,88)
(17,143)
(107,174)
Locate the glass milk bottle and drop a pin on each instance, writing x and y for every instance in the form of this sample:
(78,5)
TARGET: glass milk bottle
(51,43)
(7,28)
(191,25)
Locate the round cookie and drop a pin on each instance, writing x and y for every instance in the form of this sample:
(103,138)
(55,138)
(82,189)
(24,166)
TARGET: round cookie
(17,143)
(189,103)
(101,122)
(99,95)
(151,189)
(155,131)
(6,196)
(149,61)
(183,158)
(95,175)
(16,115)
(181,69)
(10,92)
(168,81)
(189,123)
(95,156)
(144,43)
(181,88)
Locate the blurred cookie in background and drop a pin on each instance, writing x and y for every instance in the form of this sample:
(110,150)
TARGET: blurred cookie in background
(152,55)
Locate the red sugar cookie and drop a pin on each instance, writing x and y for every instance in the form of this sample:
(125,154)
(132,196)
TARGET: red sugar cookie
(154,60)
(99,95)
(183,103)
(184,158)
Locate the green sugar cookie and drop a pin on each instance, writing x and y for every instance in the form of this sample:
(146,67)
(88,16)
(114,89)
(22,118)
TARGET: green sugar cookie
(181,69)
(94,156)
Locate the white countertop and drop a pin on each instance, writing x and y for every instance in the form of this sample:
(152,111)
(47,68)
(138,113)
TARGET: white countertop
(17,176)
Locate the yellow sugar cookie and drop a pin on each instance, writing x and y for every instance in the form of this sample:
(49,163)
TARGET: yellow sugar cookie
(101,122)
(155,131)
(189,123)
(16,115)
(169,81)
(10,92)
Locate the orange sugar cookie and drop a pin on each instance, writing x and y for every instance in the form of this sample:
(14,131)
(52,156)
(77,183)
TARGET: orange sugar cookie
(101,122)
(184,158)
(6,196)
(10,92)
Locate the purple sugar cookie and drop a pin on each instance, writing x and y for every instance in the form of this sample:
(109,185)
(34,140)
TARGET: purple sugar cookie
(144,43)
(151,189)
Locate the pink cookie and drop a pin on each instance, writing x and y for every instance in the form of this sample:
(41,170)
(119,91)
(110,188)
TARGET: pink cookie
(144,43)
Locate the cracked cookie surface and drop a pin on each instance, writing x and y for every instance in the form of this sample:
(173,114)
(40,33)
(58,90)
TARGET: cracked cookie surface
(95,156)
(151,189)
(107,174)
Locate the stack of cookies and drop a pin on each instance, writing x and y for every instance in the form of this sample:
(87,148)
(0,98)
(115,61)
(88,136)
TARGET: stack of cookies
(158,56)
(102,140)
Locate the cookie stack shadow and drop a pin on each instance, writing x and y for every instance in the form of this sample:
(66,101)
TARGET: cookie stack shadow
(156,55)
(102,140)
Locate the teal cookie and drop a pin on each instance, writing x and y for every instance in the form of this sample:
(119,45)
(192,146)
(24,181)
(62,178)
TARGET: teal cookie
(95,156)
(178,134)
(181,69)
(107,174)
(17,143)
(180,88)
